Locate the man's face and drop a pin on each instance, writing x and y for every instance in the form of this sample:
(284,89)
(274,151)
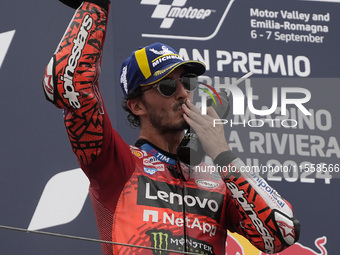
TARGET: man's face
(165,113)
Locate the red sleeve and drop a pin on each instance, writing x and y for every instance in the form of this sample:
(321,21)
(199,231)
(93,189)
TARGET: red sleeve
(71,83)
(264,217)
(112,169)
(71,80)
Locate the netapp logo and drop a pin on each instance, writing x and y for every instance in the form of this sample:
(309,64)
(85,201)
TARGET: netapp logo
(170,12)
(163,195)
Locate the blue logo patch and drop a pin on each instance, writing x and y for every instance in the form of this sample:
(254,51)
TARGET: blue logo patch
(150,171)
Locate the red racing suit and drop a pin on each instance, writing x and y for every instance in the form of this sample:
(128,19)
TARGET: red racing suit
(142,195)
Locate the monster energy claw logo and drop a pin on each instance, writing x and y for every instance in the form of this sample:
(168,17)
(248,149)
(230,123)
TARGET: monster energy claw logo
(165,242)
(160,240)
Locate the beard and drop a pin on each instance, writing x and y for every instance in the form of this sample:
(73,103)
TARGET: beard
(161,118)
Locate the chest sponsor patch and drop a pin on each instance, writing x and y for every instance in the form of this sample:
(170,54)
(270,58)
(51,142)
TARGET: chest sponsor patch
(149,170)
(207,184)
(163,195)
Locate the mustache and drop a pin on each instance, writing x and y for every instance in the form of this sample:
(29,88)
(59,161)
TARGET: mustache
(178,105)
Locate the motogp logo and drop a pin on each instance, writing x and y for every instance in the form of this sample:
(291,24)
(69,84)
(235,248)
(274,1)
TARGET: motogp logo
(175,10)
(174,19)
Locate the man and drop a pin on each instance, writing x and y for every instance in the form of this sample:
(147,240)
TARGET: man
(143,195)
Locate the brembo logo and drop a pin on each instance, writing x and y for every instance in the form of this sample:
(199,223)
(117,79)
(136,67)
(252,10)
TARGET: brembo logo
(177,10)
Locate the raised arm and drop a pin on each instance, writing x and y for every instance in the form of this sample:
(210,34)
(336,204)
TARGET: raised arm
(71,78)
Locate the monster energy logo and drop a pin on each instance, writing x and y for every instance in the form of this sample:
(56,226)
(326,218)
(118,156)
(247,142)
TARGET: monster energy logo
(160,240)
(165,240)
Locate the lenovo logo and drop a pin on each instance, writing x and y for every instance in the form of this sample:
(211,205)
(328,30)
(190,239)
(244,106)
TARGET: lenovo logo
(162,195)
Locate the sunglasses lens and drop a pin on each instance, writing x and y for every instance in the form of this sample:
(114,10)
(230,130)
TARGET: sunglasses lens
(167,87)
(189,82)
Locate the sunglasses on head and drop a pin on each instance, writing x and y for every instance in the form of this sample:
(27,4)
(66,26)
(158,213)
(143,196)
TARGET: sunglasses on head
(167,87)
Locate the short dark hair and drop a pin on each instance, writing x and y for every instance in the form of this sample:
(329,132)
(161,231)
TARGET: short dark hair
(131,117)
